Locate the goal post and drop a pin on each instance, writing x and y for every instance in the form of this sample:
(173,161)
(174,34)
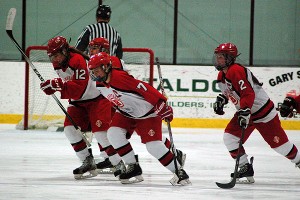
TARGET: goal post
(41,111)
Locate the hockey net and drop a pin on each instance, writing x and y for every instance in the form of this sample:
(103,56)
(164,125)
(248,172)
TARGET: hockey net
(41,111)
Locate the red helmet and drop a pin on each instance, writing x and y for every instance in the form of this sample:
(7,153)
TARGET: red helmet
(102,60)
(229,51)
(57,44)
(227,48)
(101,41)
(99,60)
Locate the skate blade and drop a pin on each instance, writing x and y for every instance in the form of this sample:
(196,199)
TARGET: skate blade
(105,171)
(86,175)
(135,179)
(245,180)
(175,181)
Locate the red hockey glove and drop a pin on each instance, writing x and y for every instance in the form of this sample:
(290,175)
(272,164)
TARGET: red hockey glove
(219,104)
(287,107)
(164,111)
(244,117)
(51,86)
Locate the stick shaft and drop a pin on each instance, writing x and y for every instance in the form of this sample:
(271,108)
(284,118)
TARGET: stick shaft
(9,25)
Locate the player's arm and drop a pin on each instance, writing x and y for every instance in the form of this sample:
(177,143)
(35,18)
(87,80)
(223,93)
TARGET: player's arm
(159,102)
(289,105)
(247,95)
(83,40)
(119,51)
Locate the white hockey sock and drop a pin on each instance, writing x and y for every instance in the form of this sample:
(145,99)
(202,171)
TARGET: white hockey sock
(73,138)
(117,137)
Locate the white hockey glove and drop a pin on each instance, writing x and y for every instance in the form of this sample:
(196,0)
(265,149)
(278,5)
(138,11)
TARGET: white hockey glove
(219,104)
(244,117)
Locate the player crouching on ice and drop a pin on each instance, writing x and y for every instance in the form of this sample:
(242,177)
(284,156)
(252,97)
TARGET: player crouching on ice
(140,107)
(255,110)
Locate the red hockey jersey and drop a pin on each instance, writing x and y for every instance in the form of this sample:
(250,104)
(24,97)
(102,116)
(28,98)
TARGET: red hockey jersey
(132,97)
(77,84)
(243,89)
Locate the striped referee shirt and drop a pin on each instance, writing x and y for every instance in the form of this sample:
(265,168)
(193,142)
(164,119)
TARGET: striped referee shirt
(101,29)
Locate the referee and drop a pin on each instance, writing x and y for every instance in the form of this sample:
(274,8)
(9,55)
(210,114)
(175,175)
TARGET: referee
(101,29)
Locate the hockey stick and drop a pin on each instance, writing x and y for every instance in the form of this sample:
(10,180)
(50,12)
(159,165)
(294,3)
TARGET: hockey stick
(232,183)
(9,25)
(161,83)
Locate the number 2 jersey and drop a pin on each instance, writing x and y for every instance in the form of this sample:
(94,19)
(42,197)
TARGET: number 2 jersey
(243,89)
(131,97)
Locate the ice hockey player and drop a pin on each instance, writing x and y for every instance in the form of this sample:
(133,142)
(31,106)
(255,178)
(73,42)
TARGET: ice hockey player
(255,110)
(140,107)
(87,107)
(289,105)
(101,44)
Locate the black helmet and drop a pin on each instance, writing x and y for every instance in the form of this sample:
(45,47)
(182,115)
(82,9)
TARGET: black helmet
(103,12)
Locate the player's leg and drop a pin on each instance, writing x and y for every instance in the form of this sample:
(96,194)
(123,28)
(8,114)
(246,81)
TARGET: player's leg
(150,131)
(275,136)
(78,144)
(231,138)
(181,156)
(100,118)
(117,137)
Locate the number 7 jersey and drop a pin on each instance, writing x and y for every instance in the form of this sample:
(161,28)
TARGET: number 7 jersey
(132,97)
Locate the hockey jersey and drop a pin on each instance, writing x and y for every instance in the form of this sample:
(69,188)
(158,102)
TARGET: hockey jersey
(77,85)
(131,97)
(243,89)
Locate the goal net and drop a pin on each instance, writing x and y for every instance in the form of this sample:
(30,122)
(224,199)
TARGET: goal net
(41,111)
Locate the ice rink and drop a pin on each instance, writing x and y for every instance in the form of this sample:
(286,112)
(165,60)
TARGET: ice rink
(38,165)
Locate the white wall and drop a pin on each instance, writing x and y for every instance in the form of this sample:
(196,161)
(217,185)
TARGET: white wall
(12,87)
(187,103)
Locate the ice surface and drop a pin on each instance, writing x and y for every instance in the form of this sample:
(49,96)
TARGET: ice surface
(38,165)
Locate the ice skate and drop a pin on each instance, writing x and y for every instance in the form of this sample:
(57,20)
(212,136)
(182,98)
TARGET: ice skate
(180,178)
(133,173)
(245,173)
(119,169)
(180,157)
(105,167)
(88,166)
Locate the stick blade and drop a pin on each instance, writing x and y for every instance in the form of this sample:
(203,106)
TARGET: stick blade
(10,19)
(229,185)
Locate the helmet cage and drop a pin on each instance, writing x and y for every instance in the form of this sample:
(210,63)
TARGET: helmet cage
(229,60)
(106,69)
(228,51)
(101,48)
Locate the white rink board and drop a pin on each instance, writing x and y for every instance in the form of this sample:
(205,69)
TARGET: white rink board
(186,104)
(277,82)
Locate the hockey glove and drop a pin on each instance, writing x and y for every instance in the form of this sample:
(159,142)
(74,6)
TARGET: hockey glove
(51,86)
(164,111)
(219,104)
(287,107)
(244,117)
